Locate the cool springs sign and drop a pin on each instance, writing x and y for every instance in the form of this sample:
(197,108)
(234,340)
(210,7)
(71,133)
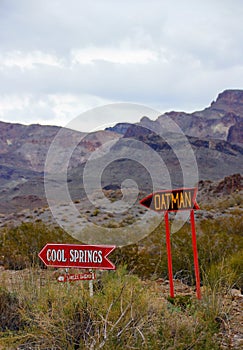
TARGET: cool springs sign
(76,255)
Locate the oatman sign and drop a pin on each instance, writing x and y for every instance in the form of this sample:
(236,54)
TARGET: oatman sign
(174,200)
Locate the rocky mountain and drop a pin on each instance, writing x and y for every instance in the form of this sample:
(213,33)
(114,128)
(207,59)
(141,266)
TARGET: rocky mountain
(226,186)
(223,119)
(26,146)
(215,135)
(215,121)
(235,133)
(120,128)
(23,153)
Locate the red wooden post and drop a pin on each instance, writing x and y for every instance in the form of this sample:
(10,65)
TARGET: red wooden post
(195,255)
(167,228)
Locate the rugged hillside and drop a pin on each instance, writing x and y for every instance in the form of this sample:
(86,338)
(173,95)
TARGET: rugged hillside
(229,101)
(235,134)
(215,135)
(23,154)
(26,146)
(214,121)
(221,120)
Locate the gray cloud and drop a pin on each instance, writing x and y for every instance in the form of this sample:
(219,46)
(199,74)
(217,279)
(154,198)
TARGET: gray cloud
(59,58)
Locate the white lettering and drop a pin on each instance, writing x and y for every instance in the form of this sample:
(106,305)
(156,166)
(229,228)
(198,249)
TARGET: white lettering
(71,255)
(48,255)
(56,255)
(100,256)
(90,256)
(81,256)
(85,256)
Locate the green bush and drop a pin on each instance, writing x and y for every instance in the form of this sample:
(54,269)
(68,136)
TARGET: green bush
(219,240)
(216,242)
(19,246)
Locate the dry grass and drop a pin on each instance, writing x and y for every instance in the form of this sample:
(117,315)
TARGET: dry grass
(125,313)
(129,310)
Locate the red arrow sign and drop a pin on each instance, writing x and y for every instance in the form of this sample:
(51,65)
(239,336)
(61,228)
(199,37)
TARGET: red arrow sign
(76,255)
(171,200)
(76,277)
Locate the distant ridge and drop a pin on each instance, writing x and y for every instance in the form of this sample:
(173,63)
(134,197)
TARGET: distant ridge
(222,120)
(215,135)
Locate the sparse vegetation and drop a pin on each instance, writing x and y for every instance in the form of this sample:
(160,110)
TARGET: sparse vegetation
(124,313)
(218,240)
(129,309)
(19,246)
(95,212)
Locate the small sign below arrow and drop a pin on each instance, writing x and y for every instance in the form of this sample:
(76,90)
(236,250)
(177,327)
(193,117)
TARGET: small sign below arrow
(76,277)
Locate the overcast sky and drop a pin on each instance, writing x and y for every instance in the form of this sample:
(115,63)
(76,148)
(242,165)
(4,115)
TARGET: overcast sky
(59,58)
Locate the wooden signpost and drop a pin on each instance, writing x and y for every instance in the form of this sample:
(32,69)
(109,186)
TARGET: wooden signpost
(174,200)
(77,256)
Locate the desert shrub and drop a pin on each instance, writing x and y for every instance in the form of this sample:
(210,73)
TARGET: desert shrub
(117,316)
(95,212)
(235,199)
(19,246)
(217,242)
(233,224)
(227,225)
(148,259)
(235,264)
(220,278)
(124,313)
(182,255)
(10,316)
(181,330)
